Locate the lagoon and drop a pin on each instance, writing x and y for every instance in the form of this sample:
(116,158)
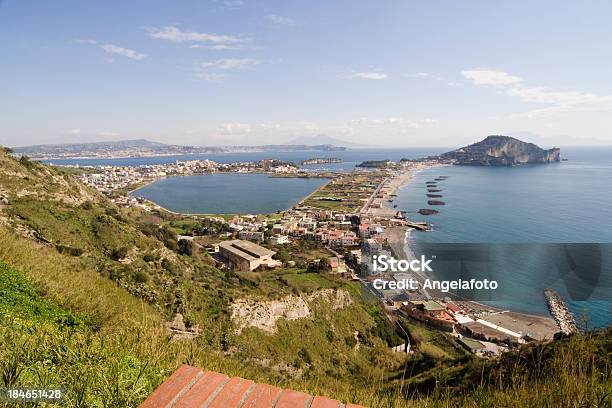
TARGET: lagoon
(228,193)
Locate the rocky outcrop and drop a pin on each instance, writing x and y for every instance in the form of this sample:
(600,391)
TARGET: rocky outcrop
(264,314)
(501,151)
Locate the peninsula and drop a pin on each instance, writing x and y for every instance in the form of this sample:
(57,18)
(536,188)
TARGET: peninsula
(501,151)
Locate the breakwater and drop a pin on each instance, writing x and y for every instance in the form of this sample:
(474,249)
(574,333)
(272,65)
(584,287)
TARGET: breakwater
(560,312)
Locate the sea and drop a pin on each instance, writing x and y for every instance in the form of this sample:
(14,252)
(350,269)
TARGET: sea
(527,221)
(524,216)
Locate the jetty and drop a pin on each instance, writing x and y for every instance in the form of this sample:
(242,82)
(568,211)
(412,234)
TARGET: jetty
(560,312)
(419,225)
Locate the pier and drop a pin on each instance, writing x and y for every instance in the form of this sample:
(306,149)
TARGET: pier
(419,225)
(560,312)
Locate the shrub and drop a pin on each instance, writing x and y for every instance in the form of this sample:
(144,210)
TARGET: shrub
(140,277)
(119,253)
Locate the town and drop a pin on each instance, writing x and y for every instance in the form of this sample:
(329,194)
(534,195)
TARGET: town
(114,180)
(352,219)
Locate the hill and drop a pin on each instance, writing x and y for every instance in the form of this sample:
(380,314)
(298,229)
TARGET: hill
(501,151)
(143,148)
(87,291)
(102,263)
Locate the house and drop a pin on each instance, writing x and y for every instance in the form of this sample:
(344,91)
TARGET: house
(251,235)
(431,312)
(278,240)
(246,255)
(336,265)
(278,229)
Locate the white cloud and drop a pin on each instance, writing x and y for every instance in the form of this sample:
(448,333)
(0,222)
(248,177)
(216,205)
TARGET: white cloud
(209,76)
(236,131)
(359,130)
(485,76)
(117,50)
(399,123)
(126,52)
(369,75)
(557,101)
(230,64)
(174,34)
(74,131)
(215,47)
(567,98)
(216,71)
(280,20)
(424,75)
(235,128)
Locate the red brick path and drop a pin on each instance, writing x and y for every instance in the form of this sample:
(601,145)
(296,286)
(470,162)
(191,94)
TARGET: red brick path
(190,387)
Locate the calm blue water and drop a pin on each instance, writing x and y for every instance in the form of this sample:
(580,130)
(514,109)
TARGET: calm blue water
(567,202)
(351,158)
(228,193)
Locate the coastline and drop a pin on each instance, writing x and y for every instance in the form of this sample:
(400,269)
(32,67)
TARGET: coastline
(541,326)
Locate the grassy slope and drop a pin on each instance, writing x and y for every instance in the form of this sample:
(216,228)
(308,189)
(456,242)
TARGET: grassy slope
(119,353)
(85,331)
(54,208)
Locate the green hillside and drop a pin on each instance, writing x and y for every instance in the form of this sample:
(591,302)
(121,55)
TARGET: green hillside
(86,289)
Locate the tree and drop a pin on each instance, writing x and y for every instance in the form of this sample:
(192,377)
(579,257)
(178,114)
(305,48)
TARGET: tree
(186,247)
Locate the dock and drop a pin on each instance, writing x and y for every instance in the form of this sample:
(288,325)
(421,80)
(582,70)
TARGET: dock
(560,312)
(418,225)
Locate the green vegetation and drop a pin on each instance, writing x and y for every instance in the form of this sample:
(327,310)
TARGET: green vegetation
(86,289)
(22,305)
(347,193)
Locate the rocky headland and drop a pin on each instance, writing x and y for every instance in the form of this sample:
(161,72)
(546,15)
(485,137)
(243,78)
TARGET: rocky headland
(501,151)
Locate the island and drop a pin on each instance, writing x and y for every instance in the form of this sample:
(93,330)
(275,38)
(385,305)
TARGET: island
(501,150)
(375,163)
(322,160)
(435,202)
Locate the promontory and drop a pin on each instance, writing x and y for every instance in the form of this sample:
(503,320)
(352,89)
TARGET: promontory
(501,151)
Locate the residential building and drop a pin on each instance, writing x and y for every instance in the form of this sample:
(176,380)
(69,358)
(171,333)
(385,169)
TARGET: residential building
(278,240)
(251,235)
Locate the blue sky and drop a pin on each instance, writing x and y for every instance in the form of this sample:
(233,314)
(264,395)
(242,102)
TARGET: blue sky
(394,73)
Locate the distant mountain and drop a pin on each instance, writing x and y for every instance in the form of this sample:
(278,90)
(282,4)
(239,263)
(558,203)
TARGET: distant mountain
(297,147)
(500,150)
(322,140)
(142,148)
